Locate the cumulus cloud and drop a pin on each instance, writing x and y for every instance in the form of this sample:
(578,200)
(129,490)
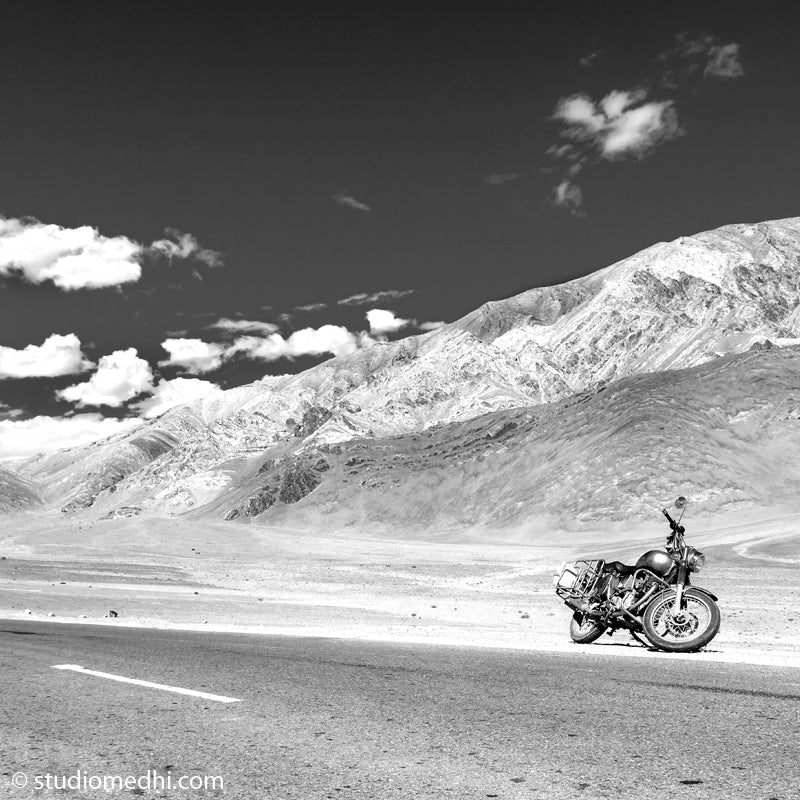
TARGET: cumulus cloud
(119,377)
(382,321)
(333,339)
(175,392)
(82,258)
(57,355)
(184,245)
(700,55)
(72,258)
(8,412)
(42,434)
(365,299)
(724,63)
(243,326)
(623,124)
(568,195)
(630,124)
(348,201)
(193,355)
(499,178)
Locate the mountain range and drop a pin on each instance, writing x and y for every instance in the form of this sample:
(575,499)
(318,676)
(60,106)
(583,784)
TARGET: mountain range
(674,368)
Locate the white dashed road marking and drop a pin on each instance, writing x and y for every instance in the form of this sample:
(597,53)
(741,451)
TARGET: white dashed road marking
(177,689)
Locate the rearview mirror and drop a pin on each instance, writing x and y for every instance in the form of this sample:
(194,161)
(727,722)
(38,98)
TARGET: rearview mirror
(681,502)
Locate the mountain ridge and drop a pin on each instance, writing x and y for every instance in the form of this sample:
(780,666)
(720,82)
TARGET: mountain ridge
(675,304)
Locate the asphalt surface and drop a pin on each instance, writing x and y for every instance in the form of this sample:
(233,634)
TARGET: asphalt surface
(322,718)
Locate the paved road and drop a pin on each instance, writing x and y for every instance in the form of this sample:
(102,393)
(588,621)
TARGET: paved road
(339,719)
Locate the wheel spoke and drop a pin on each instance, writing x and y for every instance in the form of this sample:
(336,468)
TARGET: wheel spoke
(691,623)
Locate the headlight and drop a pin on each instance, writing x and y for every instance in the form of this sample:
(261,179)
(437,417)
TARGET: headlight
(696,560)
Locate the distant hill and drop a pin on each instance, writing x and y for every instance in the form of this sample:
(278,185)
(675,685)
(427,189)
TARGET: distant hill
(17,492)
(534,362)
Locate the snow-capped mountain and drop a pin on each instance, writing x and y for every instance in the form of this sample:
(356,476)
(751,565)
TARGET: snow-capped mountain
(674,305)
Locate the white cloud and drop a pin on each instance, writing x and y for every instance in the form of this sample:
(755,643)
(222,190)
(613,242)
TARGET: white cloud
(57,355)
(348,201)
(7,412)
(183,246)
(193,355)
(175,392)
(623,124)
(383,322)
(243,326)
(431,326)
(261,348)
(44,434)
(569,196)
(333,339)
(81,258)
(724,63)
(119,377)
(311,307)
(72,258)
(499,178)
(365,299)
(701,54)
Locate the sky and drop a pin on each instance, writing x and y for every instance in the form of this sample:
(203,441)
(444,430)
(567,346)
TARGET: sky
(195,195)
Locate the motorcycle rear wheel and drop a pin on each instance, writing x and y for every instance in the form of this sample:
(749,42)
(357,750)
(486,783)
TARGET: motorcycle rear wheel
(694,628)
(584,630)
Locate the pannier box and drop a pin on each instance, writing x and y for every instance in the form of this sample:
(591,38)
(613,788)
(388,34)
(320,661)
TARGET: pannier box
(579,580)
(566,576)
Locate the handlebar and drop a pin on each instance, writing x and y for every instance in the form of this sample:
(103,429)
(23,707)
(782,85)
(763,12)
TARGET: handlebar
(672,524)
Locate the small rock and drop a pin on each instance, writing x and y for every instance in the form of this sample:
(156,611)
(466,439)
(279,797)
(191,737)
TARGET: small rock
(28,611)
(112,614)
(51,614)
(525,616)
(83,616)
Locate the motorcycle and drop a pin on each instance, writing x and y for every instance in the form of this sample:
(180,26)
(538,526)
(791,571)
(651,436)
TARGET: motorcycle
(654,596)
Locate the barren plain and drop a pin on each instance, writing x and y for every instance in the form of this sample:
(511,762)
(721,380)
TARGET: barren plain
(491,589)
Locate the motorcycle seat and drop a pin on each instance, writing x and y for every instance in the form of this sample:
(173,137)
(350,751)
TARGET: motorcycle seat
(621,569)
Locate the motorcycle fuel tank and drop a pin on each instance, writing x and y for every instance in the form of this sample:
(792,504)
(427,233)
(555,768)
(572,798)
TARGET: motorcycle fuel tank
(656,561)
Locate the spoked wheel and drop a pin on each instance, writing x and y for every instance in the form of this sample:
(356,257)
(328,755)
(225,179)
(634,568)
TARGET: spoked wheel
(585,630)
(693,627)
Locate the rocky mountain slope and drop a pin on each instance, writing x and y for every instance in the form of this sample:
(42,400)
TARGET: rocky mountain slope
(674,305)
(726,434)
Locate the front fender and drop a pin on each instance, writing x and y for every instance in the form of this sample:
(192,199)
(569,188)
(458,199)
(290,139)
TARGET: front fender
(706,592)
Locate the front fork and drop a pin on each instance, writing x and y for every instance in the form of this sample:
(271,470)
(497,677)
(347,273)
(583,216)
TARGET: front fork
(681,584)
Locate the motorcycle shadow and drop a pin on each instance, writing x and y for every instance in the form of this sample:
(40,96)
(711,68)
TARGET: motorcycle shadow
(639,644)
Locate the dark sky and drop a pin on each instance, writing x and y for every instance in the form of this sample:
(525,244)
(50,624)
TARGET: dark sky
(241,127)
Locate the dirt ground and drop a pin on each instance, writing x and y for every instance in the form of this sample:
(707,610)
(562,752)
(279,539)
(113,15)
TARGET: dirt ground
(485,589)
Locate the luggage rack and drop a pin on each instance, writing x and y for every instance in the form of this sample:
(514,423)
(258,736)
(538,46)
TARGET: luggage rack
(579,580)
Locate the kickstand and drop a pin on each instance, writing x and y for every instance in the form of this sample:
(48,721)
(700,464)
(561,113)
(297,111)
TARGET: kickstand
(635,636)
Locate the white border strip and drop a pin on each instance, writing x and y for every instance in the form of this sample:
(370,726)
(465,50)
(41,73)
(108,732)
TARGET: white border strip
(176,689)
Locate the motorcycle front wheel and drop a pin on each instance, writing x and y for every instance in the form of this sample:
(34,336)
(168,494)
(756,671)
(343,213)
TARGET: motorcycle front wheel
(584,630)
(694,627)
